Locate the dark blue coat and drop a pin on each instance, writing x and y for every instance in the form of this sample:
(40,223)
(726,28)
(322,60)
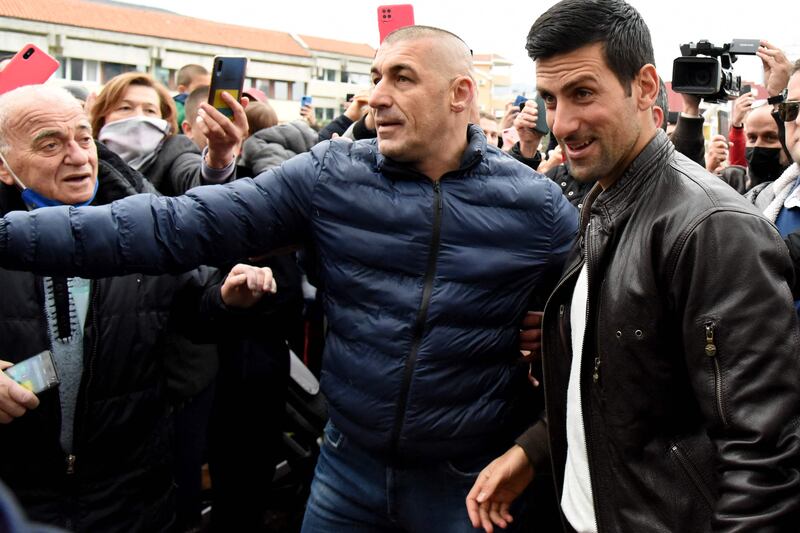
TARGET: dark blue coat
(425,283)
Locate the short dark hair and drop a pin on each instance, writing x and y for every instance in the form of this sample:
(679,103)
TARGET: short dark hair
(192,103)
(573,24)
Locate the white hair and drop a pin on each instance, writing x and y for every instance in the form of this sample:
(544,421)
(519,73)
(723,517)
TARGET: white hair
(14,102)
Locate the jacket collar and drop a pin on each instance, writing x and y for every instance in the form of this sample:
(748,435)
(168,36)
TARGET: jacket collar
(473,155)
(647,167)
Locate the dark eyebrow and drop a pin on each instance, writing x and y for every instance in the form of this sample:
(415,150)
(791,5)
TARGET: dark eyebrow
(395,69)
(572,84)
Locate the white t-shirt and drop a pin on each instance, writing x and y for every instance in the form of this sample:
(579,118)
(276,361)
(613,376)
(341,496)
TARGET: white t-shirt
(576,498)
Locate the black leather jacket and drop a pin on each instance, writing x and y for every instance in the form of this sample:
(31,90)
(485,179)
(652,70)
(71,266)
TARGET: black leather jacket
(690,377)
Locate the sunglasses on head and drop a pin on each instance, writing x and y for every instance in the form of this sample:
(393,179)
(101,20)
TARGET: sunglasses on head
(787,110)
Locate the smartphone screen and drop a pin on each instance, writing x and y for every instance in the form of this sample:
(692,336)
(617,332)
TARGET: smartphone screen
(227,76)
(722,123)
(29,66)
(37,373)
(394,17)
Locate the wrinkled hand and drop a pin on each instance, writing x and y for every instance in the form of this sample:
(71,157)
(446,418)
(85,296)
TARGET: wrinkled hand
(717,154)
(554,158)
(511,113)
(245,285)
(357,107)
(15,400)
(224,135)
(524,123)
(307,112)
(777,67)
(741,107)
(496,488)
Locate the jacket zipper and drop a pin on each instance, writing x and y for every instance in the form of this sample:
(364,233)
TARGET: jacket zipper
(419,324)
(72,458)
(711,353)
(691,471)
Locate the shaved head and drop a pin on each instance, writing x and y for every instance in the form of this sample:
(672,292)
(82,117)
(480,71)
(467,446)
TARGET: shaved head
(451,55)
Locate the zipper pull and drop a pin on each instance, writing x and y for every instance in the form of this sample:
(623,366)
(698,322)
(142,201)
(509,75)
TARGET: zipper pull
(438,190)
(596,373)
(70,464)
(711,348)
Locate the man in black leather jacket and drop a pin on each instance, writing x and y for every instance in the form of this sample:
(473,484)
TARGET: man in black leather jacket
(670,360)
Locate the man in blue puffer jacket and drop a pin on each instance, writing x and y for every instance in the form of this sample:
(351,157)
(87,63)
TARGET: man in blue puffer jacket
(432,246)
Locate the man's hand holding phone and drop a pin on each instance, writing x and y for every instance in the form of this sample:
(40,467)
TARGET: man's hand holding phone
(529,138)
(15,400)
(225,135)
(741,106)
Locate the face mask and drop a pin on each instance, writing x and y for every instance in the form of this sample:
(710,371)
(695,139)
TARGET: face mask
(764,164)
(135,140)
(34,200)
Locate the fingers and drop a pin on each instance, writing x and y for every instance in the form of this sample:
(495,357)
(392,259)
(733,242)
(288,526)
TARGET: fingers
(15,400)
(473,509)
(532,319)
(495,515)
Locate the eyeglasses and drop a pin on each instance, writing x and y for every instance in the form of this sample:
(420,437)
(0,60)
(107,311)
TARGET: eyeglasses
(787,111)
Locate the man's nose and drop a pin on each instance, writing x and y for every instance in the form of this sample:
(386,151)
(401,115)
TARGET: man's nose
(379,96)
(77,155)
(563,121)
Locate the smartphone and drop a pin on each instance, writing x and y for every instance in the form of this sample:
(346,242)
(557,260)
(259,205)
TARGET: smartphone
(29,66)
(541,116)
(723,127)
(227,76)
(37,373)
(349,97)
(394,17)
(519,101)
(745,89)
(305,100)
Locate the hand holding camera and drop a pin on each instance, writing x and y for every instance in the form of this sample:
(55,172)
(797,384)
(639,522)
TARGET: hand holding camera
(525,124)
(717,154)
(741,107)
(15,400)
(777,67)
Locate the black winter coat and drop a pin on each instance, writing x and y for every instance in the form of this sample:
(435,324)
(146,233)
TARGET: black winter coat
(120,476)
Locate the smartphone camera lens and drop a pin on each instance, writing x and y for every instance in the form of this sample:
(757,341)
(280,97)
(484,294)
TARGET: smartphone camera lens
(28,53)
(219,66)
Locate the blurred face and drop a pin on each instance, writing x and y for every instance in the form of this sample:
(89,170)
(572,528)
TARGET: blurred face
(760,128)
(588,110)
(793,127)
(138,100)
(491,130)
(52,151)
(410,101)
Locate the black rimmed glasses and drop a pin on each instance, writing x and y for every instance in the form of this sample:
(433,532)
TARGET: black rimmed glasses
(787,111)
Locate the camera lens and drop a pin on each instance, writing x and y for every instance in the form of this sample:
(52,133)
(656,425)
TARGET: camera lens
(28,53)
(219,66)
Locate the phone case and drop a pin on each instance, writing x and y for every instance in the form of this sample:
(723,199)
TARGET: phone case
(394,17)
(227,76)
(30,66)
(37,373)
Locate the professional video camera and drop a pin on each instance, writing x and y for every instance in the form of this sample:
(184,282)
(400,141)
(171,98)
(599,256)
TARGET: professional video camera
(710,78)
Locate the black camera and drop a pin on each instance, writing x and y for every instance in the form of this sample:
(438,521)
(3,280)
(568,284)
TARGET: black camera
(710,78)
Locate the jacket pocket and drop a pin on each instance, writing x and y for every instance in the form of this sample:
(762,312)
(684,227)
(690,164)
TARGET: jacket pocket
(710,350)
(688,467)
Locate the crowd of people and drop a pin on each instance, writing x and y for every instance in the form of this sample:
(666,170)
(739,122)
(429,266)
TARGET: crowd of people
(589,327)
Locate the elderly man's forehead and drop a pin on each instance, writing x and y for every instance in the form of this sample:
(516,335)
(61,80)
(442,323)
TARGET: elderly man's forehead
(50,114)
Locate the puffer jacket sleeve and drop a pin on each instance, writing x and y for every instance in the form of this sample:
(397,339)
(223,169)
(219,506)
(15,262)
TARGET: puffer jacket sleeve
(740,337)
(148,234)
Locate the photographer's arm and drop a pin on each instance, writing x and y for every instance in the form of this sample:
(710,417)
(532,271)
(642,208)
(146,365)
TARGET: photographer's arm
(688,135)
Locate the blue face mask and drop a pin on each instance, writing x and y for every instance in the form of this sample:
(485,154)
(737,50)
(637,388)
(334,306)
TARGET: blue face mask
(34,200)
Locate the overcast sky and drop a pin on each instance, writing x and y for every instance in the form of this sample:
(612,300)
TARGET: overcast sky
(500,26)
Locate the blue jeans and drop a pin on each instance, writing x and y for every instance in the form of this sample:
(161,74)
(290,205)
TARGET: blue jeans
(354,491)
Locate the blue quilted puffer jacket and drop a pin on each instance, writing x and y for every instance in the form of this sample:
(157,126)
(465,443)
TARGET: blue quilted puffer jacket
(425,283)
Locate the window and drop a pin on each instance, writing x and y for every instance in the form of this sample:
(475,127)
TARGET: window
(324,114)
(326,74)
(355,78)
(111,70)
(162,74)
(74,69)
(280,90)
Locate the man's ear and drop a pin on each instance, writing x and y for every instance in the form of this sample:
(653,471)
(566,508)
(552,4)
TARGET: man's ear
(5,175)
(186,127)
(645,87)
(462,94)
